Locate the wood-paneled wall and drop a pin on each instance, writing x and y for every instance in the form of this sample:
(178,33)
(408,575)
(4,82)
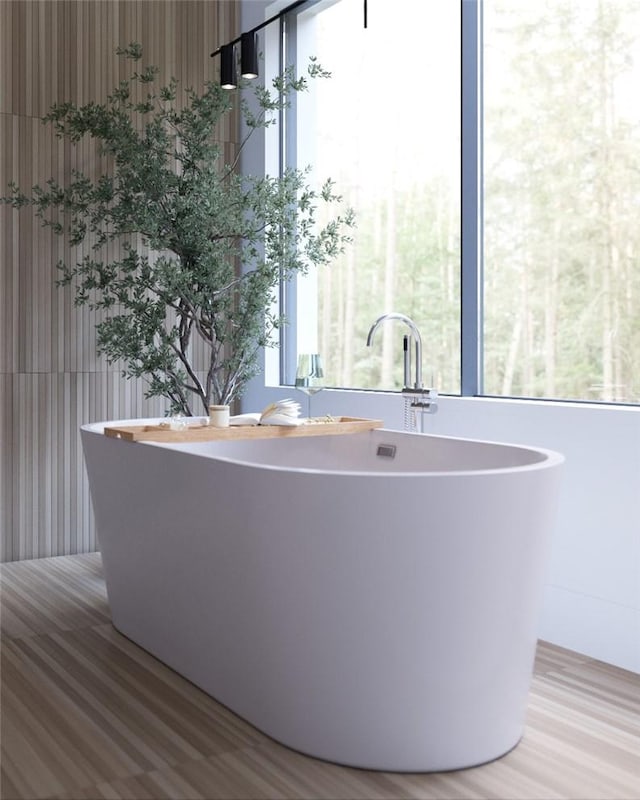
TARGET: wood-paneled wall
(51,380)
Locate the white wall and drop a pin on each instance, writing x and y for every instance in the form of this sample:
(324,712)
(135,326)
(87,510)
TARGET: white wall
(592,593)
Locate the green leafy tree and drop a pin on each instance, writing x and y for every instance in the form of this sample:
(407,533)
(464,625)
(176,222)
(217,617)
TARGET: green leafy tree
(202,248)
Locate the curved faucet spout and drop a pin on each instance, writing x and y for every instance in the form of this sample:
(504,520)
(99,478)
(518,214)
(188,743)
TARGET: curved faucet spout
(415,333)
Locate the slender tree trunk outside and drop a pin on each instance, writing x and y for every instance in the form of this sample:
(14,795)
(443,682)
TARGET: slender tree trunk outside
(351,344)
(551,322)
(606,210)
(388,331)
(330,353)
(512,355)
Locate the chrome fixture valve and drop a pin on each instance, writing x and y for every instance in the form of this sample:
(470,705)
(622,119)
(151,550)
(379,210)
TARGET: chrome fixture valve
(424,400)
(418,401)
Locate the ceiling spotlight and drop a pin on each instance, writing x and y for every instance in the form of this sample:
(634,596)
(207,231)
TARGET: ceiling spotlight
(249,55)
(228,67)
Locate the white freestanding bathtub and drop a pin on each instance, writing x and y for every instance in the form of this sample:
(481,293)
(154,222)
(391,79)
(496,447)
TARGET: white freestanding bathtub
(373,610)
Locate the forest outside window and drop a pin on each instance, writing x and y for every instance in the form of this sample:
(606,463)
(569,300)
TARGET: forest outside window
(386,128)
(562,199)
(559,241)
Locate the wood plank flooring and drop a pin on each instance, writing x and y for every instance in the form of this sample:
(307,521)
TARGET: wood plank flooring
(88,714)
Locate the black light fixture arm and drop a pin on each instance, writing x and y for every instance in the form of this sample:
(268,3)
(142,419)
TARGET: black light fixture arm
(262,25)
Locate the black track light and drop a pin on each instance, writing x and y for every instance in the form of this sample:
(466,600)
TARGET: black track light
(249,55)
(249,50)
(228,67)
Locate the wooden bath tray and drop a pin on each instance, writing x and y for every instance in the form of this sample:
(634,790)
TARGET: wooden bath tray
(205,433)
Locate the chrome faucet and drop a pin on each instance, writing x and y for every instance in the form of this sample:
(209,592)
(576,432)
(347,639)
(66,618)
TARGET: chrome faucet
(415,334)
(417,398)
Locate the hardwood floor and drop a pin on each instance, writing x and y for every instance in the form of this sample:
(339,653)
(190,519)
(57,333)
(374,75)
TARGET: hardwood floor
(88,714)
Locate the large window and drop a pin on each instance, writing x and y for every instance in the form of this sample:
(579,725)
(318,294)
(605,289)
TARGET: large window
(556,260)
(562,199)
(386,128)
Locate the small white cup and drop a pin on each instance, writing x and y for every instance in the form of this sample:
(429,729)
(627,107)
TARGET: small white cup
(219,416)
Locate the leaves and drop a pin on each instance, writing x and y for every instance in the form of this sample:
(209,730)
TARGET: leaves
(184,221)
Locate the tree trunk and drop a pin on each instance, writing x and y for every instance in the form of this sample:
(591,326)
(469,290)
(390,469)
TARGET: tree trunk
(386,373)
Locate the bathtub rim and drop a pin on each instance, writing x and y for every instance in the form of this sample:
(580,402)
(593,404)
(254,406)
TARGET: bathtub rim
(550,458)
